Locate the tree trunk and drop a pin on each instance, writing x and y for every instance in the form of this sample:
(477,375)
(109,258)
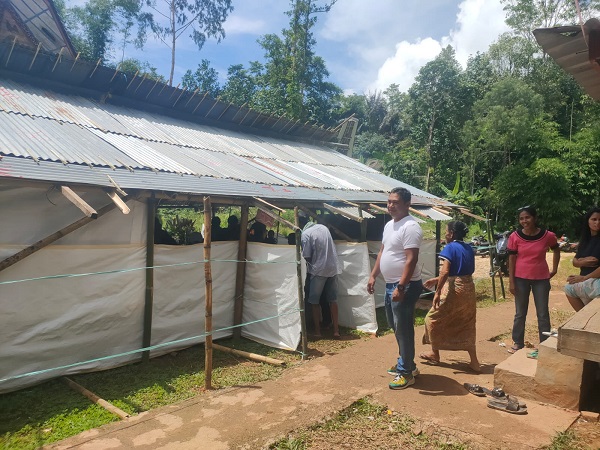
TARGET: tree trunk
(173,39)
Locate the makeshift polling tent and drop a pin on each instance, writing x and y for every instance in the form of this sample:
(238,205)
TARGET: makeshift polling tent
(83,167)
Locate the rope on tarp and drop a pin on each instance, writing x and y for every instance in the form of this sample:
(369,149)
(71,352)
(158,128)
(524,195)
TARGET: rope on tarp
(144,349)
(108,272)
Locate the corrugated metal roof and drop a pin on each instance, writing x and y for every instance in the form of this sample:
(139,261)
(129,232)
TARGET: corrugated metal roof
(151,151)
(568,47)
(430,212)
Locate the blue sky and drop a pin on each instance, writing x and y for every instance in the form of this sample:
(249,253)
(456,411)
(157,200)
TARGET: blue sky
(366,44)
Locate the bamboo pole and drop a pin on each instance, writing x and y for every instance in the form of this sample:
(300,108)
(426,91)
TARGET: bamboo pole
(252,356)
(149,296)
(300,290)
(208,345)
(94,398)
(240,275)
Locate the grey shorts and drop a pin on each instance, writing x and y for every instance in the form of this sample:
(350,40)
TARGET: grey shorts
(322,285)
(586,291)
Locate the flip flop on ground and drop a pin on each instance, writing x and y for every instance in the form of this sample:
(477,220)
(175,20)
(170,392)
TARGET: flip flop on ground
(496,393)
(429,359)
(474,389)
(511,405)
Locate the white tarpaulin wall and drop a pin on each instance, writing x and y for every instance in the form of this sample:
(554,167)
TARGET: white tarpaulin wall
(427,261)
(272,290)
(61,321)
(57,322)
(179,293)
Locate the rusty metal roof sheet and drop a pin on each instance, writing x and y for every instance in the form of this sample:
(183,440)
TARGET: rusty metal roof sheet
(151,151)
(568,47)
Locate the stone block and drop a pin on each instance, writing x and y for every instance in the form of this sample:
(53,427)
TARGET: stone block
(553,378)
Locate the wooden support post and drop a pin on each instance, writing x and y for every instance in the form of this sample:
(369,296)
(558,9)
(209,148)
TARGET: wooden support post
(438,245)
(94,398)
(363,226)
(149,297)
(52,238)
(240,276)
(252,356)
(300,289)
(418,213)
(72,196)
(208,291)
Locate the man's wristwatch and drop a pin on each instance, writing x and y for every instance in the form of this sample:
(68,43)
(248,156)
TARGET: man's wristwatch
(401,288)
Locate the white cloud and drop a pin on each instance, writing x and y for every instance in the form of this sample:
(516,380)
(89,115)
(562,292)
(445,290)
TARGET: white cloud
(241,25)
(402,68)
(478,24)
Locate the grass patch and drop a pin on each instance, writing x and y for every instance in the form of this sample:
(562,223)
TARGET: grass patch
(49,412)
(368,425)
(566,440)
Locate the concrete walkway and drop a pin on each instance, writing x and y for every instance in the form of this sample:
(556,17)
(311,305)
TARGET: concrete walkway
(251,417)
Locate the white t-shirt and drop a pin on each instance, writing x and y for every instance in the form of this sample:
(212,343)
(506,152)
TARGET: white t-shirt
(398,236)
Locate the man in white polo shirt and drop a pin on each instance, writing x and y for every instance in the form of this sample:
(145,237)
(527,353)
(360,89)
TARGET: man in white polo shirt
(397,262)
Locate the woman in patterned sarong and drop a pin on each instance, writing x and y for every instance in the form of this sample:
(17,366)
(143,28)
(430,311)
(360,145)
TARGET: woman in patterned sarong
(450,323)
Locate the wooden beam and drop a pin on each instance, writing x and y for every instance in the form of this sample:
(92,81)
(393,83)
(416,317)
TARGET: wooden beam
(269,204)
(94,398)
(379,208)
(342,213)
(78,201)
(301,301)
(208,306)
(52,238)
(252,356)
(470,214)
(441,210)
(149,293)
(336,229)
(418,213)
(118,202)
(271,214)
(240,275)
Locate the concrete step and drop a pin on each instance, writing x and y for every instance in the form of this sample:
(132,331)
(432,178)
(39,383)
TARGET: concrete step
(553,378)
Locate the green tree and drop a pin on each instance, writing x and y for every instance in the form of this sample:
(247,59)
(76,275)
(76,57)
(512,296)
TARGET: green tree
(506,128)
(545,183)
(202,19)
(240,86)
(95,26)
(132,66)
(205,79)
(293,79)
(436,110)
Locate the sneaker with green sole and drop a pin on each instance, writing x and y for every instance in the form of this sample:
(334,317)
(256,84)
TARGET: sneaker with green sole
(392,371)
(402,382)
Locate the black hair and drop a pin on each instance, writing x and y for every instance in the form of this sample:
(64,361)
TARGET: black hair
(403,193)
(458,229)
(586,234)
(529,210)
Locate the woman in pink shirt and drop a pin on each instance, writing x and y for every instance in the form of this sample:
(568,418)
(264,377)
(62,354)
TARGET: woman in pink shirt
(528,272)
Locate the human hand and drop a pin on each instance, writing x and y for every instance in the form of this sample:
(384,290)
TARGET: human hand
(437,298)
(588,261)
(511,288)
(397,295)
(572,279)
(552,273)
(371,285)
(430,284)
